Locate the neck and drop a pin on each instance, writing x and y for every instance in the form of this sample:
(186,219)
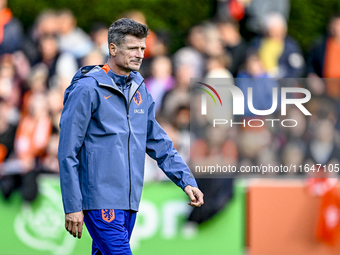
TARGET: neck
(116,69)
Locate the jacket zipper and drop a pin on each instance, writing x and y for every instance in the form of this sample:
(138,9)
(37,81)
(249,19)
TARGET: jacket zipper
(127,107)
(128,120)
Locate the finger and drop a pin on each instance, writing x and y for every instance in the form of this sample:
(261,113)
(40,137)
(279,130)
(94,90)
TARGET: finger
(200,198)
(69,227)
(192,196)
(80,229)
(74,229)
(66,223)
(196,204)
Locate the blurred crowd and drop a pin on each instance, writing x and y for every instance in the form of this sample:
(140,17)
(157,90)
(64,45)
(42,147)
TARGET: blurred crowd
(37,65)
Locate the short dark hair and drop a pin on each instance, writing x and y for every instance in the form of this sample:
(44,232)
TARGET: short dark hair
(122,27)
(228,21)
(333,17)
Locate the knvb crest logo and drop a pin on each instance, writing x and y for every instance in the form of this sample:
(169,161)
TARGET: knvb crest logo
(108,215)
(137,98)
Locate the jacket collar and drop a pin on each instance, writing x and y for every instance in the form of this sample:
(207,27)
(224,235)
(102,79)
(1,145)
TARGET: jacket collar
(120,80)
(106,81)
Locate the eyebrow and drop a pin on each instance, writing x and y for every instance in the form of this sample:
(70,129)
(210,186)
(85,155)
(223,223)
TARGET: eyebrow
(135,47)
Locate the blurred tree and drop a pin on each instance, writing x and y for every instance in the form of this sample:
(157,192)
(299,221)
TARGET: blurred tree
(309,19)
(174,16)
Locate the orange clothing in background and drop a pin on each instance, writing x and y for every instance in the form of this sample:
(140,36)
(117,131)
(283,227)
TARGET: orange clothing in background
(5,17)
(3,152)
(328,227)
(26,101)
(332,68)
(149,41)
(32,136)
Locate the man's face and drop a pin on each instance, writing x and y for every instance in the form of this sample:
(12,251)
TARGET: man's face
(335,28)
(128,56)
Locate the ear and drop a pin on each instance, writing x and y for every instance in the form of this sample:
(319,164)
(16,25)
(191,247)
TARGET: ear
(113,49)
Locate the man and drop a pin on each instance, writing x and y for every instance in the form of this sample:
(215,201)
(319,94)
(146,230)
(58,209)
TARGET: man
(107,125)
(11,30)
(280,54)
(323,61)
(234,44)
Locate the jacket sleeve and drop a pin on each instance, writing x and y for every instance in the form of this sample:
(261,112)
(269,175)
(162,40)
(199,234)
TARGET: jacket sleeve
(74,122)
(316,56)
(160,147)
(297,64)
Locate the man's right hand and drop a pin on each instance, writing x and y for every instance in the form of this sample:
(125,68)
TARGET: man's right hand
(74,223)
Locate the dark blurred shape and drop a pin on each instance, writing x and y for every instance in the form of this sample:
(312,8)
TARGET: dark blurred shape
(25,183)
(323,61)
(234,9)
(179,94)
(194,54)
(322,149)
(233,43)
(7,132)
(72,39)
(98,33)
(262,85)
(161,79)
(257,11)
(46,23)
(217,193)
(61,65)
(11,30)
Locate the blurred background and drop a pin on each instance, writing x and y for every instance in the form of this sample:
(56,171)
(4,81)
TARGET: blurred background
(43,44)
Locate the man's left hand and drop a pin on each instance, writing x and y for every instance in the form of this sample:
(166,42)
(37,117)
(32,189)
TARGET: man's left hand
(196,196)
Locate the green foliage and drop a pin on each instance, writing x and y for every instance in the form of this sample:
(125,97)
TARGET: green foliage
(309,19)
(173,16)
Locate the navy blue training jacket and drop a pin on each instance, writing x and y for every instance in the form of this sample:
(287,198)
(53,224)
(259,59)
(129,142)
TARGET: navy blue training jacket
(103,141)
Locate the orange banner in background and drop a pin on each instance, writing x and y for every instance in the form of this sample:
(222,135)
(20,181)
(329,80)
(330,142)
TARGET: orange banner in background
(328,227)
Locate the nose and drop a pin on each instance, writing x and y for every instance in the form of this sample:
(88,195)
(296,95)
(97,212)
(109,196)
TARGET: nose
(140,53)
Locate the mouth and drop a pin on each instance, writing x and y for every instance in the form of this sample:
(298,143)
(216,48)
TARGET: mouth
(136,61)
